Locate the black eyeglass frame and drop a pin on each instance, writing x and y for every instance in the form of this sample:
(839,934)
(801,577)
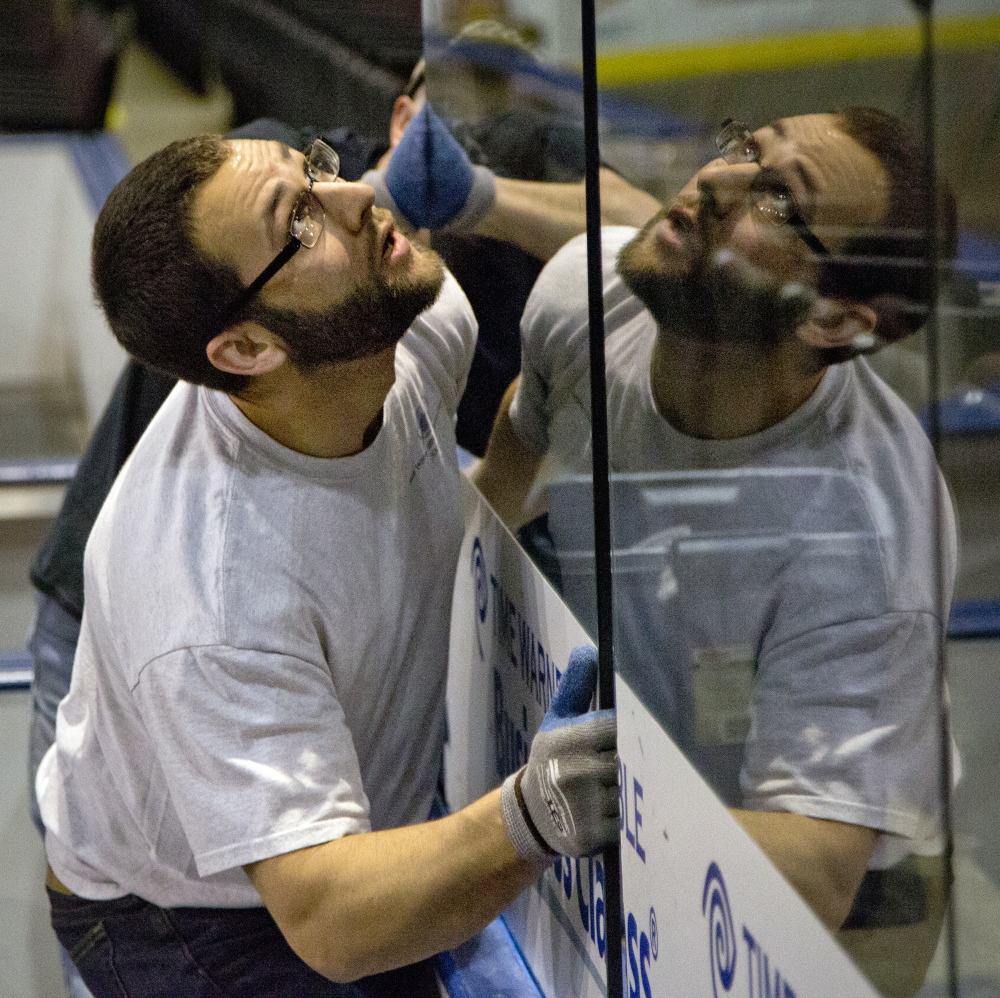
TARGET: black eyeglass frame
(294,244)
(732,130)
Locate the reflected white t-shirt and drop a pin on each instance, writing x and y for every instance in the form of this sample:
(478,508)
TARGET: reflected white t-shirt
(776,599)
(262,659)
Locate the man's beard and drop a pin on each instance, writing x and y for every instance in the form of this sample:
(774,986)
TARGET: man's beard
(719,298)
(372,317)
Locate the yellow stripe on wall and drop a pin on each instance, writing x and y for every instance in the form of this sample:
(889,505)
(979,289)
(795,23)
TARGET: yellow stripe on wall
(784,51)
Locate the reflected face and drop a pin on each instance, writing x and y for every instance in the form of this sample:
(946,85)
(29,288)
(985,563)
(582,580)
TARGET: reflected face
(713,248)
(353,294)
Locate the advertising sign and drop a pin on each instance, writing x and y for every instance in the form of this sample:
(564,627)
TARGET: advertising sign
(705,912)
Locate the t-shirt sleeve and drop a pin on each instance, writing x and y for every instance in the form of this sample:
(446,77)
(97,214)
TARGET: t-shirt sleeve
(553,332)
(443,338)
(253,751)
(844,726)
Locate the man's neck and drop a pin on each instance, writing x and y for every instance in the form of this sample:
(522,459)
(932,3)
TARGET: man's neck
(723,391)
(328,413)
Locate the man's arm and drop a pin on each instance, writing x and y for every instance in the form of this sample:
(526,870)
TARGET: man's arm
(427,180)
(508,469)
(824,861)
(367,903)
(370,902)
(540,217)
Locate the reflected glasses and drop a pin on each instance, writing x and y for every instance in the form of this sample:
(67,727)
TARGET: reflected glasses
(769,194)
(305,225)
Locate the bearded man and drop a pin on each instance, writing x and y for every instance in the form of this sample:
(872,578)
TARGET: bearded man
(236,800)
(789,644)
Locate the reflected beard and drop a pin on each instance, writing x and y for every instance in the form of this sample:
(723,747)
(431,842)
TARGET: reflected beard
(720,298)
(372,318)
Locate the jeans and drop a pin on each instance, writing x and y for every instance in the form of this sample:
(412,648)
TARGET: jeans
(129,948)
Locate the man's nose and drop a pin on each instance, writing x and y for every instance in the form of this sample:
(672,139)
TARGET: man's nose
(346,204)
(723,187)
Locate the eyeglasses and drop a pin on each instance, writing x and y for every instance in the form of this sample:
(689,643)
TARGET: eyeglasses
(305,225)
(771,199)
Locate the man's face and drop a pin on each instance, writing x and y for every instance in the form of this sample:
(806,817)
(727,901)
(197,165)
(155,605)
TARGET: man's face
(712,266)
(352,294)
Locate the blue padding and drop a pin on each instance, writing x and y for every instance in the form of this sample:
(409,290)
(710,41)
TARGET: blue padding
(32,138)
(101,163)
(99,159)
(974,618)
(969,413)
(488,964)
(37,470)
(629,118)
(978,257)
(16,668)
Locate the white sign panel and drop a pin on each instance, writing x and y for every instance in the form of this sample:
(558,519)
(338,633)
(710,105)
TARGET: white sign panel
(705,911)
(511,636)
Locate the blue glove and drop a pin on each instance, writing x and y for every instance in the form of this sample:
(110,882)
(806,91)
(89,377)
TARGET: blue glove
(565,800)
(429,180)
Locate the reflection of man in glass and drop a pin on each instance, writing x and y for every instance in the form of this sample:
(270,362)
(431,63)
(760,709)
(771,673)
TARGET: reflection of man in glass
(809,582)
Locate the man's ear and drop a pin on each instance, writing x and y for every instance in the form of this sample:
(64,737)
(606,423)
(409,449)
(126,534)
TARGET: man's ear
(831,323)
(404,110)
(247,349)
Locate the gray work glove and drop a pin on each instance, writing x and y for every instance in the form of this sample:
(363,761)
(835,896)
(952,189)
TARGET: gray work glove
(565,800)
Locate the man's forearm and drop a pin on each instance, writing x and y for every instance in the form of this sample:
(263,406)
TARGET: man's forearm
(367,903)
(823,860)
(540,217)
(508,469)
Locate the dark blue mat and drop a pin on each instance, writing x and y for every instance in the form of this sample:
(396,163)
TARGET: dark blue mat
(974,618)
(37,470)
(16,668)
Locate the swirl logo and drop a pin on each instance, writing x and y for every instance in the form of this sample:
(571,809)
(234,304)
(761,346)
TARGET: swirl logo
(721,934)
(481,580)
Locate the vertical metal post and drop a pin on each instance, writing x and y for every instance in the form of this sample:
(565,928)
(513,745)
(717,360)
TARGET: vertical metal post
(932,253)
(599,447)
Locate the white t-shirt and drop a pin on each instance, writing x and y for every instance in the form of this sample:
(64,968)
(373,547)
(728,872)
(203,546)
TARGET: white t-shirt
(262,659)
(775,601)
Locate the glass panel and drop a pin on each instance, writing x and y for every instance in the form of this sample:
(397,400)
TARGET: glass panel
(783,558)
(968,96)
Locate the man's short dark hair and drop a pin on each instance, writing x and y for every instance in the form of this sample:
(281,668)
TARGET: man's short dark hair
(887,265)
(163,298)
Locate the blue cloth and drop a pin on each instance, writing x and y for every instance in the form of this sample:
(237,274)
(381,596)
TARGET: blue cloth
(429,175)
(129,946)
